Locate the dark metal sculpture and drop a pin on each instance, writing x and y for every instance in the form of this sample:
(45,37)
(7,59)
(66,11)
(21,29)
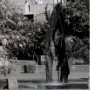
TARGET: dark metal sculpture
(55,36)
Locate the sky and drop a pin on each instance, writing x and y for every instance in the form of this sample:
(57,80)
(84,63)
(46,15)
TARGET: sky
(22,2)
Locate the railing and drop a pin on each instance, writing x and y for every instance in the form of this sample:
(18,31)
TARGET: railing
(36,57)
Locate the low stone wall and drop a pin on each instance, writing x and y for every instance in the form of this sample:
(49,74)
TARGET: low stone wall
(41,68)
(34,68)
(31,67)
(82,68)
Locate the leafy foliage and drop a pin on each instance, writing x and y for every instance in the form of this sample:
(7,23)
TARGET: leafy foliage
(80,50)
(24,38)
(76,18)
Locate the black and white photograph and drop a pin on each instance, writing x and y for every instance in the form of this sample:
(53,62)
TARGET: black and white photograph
(44,44)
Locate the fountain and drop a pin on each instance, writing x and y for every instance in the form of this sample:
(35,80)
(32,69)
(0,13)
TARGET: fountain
(56,82)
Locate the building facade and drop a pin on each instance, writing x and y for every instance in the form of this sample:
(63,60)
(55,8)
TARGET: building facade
(34,8)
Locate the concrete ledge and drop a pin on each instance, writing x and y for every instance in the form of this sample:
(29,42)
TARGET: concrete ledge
(34,68)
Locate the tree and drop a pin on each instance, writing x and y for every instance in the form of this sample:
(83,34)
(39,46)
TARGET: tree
(77,18)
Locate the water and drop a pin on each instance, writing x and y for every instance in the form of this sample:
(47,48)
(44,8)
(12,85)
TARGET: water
(69,86)
(58,86)
(73,84)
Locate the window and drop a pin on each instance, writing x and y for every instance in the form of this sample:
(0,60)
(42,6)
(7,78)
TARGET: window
(29,8)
